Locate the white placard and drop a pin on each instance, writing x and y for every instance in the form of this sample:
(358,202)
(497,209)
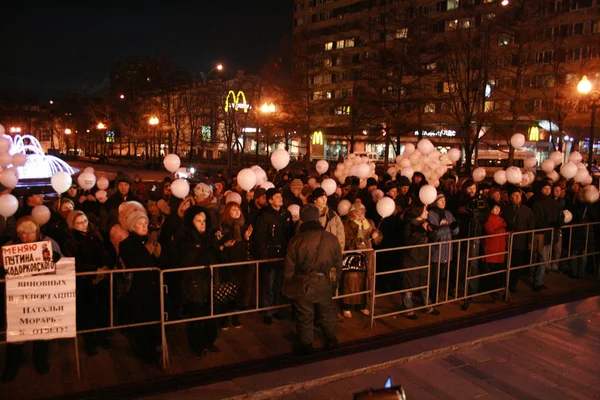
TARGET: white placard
(27,259)
(42,307)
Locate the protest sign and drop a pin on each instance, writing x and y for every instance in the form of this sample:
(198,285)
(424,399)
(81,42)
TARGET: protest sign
(42,307)
(27,259)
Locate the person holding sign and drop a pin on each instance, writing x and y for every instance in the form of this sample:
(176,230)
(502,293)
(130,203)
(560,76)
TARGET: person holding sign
(28,231)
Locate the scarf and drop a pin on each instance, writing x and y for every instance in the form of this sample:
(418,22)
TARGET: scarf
(236,228)
(363,226)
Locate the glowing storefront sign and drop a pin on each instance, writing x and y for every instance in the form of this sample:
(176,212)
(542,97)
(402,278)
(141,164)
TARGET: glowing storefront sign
(236,101)
(317,138)
(440,133)
(534,134)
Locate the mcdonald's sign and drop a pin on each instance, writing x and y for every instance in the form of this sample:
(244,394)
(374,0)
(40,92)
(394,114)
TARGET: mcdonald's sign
(534,134)
(236,101)
(317,138)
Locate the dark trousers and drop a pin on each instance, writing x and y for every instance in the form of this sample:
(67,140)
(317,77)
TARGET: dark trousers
(434,290)
(271,278)
(200,334)
(14,355)
(305,314)
(518,259)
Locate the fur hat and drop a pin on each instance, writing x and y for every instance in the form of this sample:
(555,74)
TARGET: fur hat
(272,192)
(356,207)
(73,216)
(133,218)
(309,213)
(127,208)
(203,191)
(296,184)
(27,224)
(121,177)
(403,181)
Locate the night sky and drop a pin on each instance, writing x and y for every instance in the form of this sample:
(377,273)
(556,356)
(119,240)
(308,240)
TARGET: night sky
(51,50)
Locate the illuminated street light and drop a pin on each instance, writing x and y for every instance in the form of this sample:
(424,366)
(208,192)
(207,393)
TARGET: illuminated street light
(584,87)
(15,129)
(504,2)
(122,96)
(67,131)
(101,125)
(219,67)
(153,121)
(267,108)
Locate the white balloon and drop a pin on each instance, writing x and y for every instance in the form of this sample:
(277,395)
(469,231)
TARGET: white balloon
(575,157)
(399,158)
(343,207)
(329,186)
(322,166)
(556,157)
(267,185)
(407,172)
(86,180)
(500,177)
(587,181)
(548,166)
(172,162)
(479,174)
(591,194)
(377,195)
(427,194)
(5,159)
(568,170)
(233,196)
(568,216)
(280,158)
(246,178)
(514,175)
(101,195)
(581,175)
(517,140)
(554,176)
(9,178)
(530,162)
(409,148)
(525,181)
(363,170)
(19,159)
(312,182)
(8,205)
(405,163)
(61,181)
(454,154)
(179,188)
(425,146)
(40,214)
(255,167)
(385,207)
(294,209)
(261,176)
(89,169)
(102,183)
(5,144)
(392,171)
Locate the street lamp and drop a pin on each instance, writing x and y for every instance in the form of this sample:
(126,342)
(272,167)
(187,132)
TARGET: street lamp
(67,132)
(153,121)
(15,129)
(266,109)
(219,67)
(593,97)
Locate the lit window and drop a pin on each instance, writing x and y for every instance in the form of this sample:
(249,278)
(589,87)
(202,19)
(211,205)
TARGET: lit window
(328,46)
(329,94)
(452,4)
(489,106)
(349,43)
(429,108)
(327,62)
(318,95)
(451,25)
(339,44)
(431,66)
(342,110)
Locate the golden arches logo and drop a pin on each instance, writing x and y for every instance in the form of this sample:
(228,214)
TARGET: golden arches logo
(317,138)
(236,101)
(534,134)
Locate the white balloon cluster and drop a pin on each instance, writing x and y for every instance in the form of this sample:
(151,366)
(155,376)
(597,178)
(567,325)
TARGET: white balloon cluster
(248,178)
(9,177)
(357,166)
(572,169)
(427,160)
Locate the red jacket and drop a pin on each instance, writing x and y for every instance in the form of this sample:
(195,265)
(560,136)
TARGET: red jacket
(494,225)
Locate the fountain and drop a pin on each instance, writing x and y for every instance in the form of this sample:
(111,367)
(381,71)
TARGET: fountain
(38,165)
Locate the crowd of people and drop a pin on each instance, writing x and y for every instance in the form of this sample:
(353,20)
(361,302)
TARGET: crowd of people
(137,227)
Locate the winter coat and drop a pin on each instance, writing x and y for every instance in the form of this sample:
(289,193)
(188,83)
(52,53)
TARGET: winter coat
(415,234)
(331,221)
(196,250)
(445,229)
(301,252)
(272,232)
(547,214)
(88,250)
(495,225)
(236,253)
(582,213)
(519,218)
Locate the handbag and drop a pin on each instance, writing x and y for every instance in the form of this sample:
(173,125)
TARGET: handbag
(354,262)
(299,285)
(225,292)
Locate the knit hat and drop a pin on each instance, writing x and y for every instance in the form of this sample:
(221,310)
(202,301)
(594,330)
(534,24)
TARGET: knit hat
(539,185)
(371,182)
(121,177)
(403,181)
(306,191)
(309,213)
(356,207)
(73,216)
(127,208)
(439,196)
(512,189)
(258,192)
(272,192)
(389,186)
(203,191)
(133,218)
(296,184)
(318,192)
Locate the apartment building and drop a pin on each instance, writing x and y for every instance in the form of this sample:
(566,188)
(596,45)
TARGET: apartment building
(458,71)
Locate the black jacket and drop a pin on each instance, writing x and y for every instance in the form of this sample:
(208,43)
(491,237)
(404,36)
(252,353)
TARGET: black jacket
(547,214)
(518,219)
(303,249)
(272,232)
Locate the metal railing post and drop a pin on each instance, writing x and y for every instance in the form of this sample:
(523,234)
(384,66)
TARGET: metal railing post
(163,318)
(373,286)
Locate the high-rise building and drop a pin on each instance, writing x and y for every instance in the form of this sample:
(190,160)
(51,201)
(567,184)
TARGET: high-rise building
(461,72)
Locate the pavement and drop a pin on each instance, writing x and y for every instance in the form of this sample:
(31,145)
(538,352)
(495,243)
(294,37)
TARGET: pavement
(550,353)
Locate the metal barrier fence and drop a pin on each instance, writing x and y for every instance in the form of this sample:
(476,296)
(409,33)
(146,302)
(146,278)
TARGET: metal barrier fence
(464,253)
